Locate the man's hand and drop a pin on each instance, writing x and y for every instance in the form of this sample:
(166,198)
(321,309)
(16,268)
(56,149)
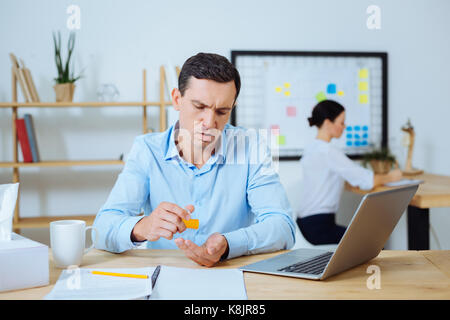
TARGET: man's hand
(206,255)
(164,221)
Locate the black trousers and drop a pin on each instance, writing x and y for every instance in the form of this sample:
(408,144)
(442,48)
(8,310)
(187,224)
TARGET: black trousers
(321,229)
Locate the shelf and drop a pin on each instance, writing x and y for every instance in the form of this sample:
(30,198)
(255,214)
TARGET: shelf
(94,104)
(49,164)
(44,222)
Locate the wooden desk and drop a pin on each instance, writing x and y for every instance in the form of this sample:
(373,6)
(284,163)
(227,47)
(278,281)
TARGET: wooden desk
(404,275)
(433,193)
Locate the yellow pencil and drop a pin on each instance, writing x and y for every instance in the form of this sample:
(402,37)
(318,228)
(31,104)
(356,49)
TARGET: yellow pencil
(115,274)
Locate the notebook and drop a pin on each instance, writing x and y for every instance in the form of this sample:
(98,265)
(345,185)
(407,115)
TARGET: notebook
(173,283)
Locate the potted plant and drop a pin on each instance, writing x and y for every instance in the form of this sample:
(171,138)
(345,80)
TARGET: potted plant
(381,160)
(64,87)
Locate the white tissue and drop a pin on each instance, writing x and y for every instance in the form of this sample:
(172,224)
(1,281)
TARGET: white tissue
(8,197)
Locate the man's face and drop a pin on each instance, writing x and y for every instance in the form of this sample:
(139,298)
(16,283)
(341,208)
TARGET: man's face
(204,109)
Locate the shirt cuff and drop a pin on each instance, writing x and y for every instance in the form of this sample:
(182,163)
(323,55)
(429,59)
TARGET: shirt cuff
(237,243)
(125,233)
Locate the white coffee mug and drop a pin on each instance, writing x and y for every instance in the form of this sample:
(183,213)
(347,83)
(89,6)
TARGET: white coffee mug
(67,239)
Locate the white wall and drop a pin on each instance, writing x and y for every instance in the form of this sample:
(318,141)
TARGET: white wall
(119,38)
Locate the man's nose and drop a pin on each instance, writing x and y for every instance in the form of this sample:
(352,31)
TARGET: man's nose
(209,119)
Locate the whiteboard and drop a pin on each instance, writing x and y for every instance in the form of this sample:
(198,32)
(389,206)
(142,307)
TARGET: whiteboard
(280,89)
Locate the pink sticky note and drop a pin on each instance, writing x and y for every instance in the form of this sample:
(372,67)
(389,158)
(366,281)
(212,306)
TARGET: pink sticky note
(275,129)
(291,111)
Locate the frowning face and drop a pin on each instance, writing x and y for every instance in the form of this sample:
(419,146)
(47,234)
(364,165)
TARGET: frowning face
(205,109)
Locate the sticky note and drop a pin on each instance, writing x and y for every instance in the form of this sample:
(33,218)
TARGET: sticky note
(363,86)
(275,129)
(348,128)
(278,89)
(331,88)
(340,93)
(364,143)
(365,128)
(321,96)
(363,98)
(363,73)
(287,85)
(281,140)
(357,128)
(287,93)
(349,143)
(349,136)
(191,223)
(291,111)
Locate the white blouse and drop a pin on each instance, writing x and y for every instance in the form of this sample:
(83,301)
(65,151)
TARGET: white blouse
(325,169)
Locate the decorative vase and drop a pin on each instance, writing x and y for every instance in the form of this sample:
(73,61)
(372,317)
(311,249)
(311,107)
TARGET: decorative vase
(64,92)
(381,166)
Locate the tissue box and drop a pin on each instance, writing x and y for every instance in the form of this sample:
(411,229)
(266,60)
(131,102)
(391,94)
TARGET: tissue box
(23,263)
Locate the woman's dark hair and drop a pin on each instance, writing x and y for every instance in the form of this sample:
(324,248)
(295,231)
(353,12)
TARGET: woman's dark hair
(326,109)
(208,66)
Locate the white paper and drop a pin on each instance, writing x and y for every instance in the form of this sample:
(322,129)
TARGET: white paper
(81,284)
(199,284)
(8,197)
(403,182)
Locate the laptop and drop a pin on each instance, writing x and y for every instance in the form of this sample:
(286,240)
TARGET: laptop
(371,225)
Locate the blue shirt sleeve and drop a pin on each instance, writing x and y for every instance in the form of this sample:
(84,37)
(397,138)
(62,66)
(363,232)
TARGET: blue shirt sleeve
(122,210)
(274,228)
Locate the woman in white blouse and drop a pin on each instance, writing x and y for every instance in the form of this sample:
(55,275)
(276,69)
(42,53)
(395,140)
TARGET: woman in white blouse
(325,169)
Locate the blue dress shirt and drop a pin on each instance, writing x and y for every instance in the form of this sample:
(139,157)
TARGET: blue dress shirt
(237,193)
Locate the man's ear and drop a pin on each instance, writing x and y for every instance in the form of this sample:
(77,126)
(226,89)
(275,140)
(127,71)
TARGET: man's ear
(176,97)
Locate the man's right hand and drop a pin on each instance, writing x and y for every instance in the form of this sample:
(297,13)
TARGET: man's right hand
(164,221)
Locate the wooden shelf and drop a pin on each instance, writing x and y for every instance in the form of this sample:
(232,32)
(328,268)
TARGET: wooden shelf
(16,166)
(44,222)
(94,104)
(49,164)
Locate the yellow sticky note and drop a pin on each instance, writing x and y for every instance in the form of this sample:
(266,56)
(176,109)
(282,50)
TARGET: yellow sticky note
(287,93)
(363,86)
(191,223)
(278,89)
(287,85)
(363,98)
(340,93)
(363,73)
(281,140)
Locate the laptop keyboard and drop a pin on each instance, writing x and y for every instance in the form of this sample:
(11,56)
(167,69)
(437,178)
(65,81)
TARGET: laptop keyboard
(315,265)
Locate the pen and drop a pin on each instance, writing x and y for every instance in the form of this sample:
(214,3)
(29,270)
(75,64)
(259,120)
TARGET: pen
(115,274)
(155,275)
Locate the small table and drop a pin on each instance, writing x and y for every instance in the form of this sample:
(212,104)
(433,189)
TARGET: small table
(433,193)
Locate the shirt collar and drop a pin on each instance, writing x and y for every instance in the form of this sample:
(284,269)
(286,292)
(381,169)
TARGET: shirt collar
(172,150)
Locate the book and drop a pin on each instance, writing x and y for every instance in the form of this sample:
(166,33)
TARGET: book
(24,263)
(23,139)
(31,133)
(30,83)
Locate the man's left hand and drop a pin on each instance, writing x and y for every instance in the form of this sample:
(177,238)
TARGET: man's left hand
(206,255)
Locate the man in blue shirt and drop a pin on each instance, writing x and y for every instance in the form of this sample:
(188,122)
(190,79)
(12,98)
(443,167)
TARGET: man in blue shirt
(200,168)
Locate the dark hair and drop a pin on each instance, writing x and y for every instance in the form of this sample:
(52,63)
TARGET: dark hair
(326,109)
(208,66)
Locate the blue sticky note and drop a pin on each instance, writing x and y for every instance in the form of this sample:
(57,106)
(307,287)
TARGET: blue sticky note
(349,128)
(357,128)
(365,128)
(365,135)
(349,135)
(364,143)
(357,143)
(357,136)
(349,143)
(331,88)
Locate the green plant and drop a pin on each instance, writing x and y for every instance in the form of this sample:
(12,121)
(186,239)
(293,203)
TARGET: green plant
(64,75)
(382,154)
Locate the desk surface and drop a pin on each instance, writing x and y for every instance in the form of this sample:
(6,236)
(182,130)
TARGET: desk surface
(404,275)
(433,193)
